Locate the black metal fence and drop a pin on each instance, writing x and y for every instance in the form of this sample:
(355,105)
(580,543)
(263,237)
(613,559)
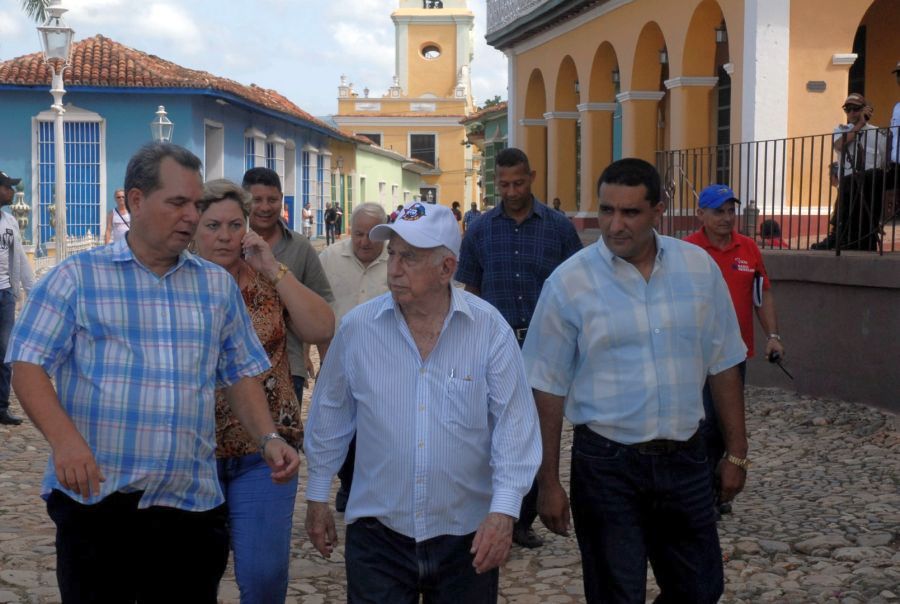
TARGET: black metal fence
(823,192)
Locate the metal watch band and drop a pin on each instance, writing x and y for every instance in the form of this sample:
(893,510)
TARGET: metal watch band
(742,463)
(264,440)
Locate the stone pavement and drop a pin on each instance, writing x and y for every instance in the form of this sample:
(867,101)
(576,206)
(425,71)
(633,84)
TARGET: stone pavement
(818,522)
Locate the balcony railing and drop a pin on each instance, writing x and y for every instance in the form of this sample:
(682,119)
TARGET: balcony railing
(501,13)
(798,192)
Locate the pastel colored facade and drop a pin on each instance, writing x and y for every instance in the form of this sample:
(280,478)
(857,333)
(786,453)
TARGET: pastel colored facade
(386,177)
(592,81)
(419,115)
(113,93)
(487,129)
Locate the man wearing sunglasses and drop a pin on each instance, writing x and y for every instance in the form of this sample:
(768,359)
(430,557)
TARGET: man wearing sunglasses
(862,151)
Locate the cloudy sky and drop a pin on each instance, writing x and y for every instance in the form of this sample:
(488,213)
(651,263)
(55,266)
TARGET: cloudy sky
(298,47)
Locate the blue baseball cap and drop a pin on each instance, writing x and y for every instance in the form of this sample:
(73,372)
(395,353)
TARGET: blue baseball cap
(714,196)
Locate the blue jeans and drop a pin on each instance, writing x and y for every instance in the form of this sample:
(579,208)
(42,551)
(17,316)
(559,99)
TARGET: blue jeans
(629,506)
(260,515)
(385,566)
(7,318)
(329,234)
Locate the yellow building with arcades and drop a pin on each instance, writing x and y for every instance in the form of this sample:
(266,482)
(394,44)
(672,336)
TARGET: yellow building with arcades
(419,114)
(745,92)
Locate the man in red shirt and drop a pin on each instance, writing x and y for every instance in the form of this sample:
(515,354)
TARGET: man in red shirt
(741,264)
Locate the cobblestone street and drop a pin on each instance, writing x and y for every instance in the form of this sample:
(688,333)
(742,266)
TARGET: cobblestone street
(818,522)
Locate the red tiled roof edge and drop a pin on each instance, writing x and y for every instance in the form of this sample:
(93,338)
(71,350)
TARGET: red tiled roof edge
(102,62)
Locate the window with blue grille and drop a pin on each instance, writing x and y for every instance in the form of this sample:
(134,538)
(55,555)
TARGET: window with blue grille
(271,160)
(249,152)
(83,141)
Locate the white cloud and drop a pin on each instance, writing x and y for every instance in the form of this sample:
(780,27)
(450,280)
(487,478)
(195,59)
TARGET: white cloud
(11,24)
(173,24)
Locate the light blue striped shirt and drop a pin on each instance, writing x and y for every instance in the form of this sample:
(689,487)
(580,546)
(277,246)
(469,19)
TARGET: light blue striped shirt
(631,356)
(137,359)
(439,443)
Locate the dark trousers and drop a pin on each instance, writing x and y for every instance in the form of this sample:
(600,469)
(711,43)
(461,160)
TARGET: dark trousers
(629,506)
(528,511)
(712,432)
(385,566)
(329,234)
(859,210)
(112,552)
(7,319)
(345,474)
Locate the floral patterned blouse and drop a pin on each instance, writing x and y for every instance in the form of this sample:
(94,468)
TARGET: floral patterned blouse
(269,319)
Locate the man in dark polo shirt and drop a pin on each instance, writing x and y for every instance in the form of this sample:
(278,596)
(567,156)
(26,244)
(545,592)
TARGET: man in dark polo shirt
(741,263)
(505,257)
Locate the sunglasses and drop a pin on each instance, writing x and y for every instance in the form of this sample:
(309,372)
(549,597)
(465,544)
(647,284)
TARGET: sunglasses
(849,108)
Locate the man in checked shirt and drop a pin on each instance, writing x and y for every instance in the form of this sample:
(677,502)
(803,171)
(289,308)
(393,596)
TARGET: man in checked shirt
(506,256)
(138,335)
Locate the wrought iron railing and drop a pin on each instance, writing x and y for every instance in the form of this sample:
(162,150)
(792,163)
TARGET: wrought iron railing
(796,193)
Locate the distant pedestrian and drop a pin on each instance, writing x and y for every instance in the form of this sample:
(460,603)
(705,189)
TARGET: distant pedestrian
(330,223)
(307,220)
(15,277)
(556,205)
(117,220)
(338,221)
(506,256)
(470,216)
(394,214)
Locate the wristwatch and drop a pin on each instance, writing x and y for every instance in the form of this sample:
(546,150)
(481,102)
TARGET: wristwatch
(264,440)
(742,463)
(774,336)
(282,271)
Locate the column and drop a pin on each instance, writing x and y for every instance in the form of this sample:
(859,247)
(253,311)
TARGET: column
(535,147)
(561,169)
(596,149)
(640,121)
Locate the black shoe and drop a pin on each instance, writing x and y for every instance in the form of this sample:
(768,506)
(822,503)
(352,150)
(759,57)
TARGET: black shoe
(340,500)
(826,244)
(9,419)
(526,537)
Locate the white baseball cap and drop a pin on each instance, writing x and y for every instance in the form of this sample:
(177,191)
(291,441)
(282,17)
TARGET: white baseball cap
(422,225)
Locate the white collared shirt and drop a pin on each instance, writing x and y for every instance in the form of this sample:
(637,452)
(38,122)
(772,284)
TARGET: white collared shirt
(352,283)
(440,443)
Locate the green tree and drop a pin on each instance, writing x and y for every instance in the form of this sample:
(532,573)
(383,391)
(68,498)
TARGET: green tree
(36,9)
(491,102)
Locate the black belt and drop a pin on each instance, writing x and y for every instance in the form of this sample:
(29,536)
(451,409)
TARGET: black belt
(660,446)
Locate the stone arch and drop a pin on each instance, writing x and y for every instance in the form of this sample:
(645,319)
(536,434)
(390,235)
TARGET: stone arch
(535,130)
(645,108)
(567,91)
(599,120)
(880,22)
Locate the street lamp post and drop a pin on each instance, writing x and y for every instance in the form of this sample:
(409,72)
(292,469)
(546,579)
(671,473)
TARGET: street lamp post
(56,43)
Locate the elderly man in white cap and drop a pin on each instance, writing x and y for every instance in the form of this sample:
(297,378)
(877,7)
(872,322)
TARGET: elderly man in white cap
(432,381)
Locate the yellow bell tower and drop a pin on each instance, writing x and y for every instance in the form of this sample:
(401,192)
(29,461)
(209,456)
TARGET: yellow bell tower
(434,48)
(420,113)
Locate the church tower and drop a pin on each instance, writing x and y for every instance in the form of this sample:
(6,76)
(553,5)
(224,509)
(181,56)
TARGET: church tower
(419,115)
(434,48)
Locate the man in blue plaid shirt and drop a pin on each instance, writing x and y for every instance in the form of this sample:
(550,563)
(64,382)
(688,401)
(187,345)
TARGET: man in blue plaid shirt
(506,255)
(138,335)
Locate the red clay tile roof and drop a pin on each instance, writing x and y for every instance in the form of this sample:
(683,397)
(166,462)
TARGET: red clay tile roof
(102,62)
(485,111)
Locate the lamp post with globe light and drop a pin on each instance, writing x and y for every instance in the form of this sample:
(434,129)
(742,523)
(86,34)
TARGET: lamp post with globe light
(56,44)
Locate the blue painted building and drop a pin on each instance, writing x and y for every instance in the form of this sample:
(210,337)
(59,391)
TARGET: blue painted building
(112,95)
